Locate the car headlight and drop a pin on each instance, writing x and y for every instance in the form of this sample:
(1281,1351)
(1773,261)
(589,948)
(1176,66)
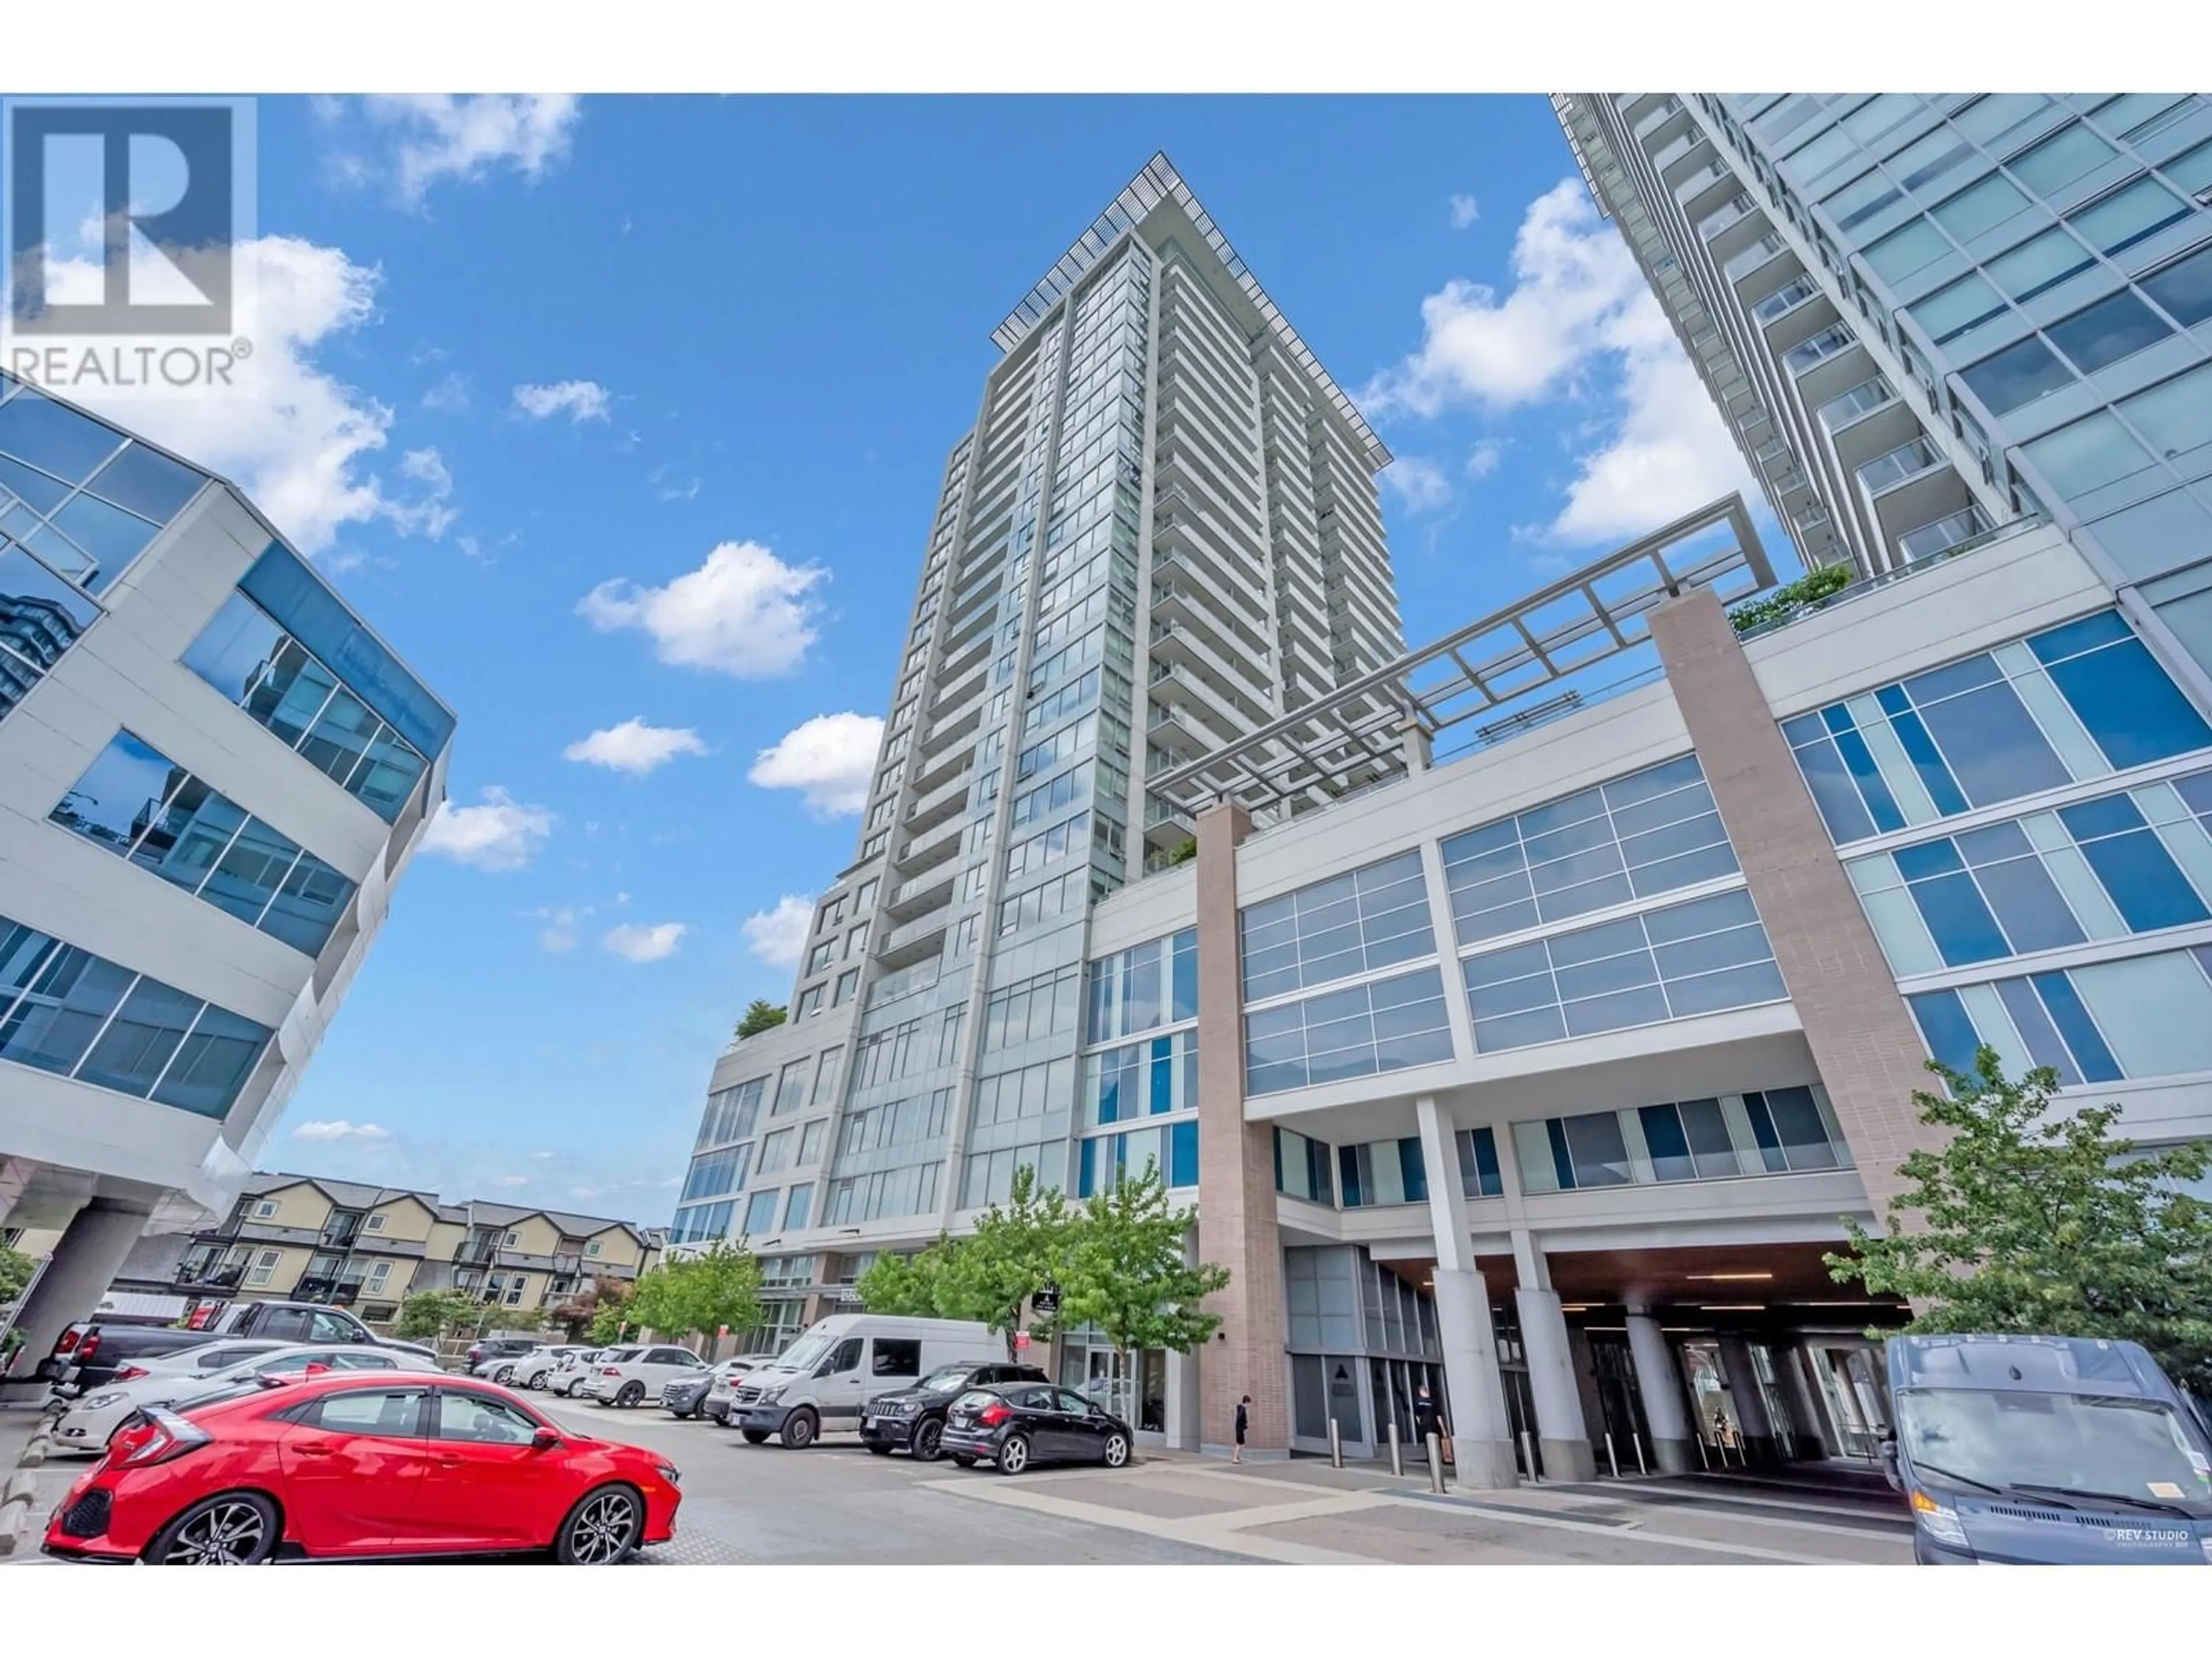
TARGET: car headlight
(769,1396)
(1939,1519)
(107,1399)
(670,1473)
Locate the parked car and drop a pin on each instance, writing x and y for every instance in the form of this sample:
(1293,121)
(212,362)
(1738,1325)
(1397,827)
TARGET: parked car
(495,1349)
(88,1355)
(630,1376)
(92,1420)
(912,1419)
(687,1396)
(343,1466)
(2046,1450)
(535,1369)
(828,1373)
(568,1376)
(730,1376)
(1016,1425)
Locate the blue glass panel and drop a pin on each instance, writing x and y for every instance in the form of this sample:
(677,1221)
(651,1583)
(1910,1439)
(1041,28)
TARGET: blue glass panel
(1879,802)
(2036,1030)
(1961,924)
(2144,881)
(1185,988)
(2028,905)
(2136,714)
(1162,1075)
(112,536)
(2106,628)
(1952,679)
(1932,858)
(314,615)
(1996,749)
(1920,750)
(1669,1147)
(1086,1178)
(48,434)
(1347,1162)
(147,483)
(1413,1172)
(1945,1028)
(1839,718)
(1763,1131)
(234,646)
(1834,792)
(2064,1004)
(213,1064)
(1183,1153)
(1563,1163)
(2111,815)
(1805,728)
(1484,1143)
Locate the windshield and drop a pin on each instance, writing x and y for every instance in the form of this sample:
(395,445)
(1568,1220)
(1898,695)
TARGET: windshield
(2088,1445)
(947,1377)
(805,1351)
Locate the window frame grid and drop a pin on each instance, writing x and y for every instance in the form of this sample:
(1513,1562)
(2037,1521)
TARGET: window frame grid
(2200,955)
(1366,984)
(1415,878)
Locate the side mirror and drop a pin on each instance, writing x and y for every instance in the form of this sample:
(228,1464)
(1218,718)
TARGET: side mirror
(546,1439)
(1889,1468)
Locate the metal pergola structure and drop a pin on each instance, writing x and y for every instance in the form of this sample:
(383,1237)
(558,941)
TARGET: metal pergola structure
(1355,736)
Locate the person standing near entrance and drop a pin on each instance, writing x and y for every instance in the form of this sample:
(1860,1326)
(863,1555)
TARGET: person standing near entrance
(1243,1424)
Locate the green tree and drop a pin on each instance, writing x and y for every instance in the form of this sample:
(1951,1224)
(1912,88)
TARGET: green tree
(611,1317)
(15,1270)
(1130,1274)
(762,1016)
(2040,1221)
(1808,593)
(578,1312)
(435,1313)
(698,1295)
(1017,1249)
(910,1284)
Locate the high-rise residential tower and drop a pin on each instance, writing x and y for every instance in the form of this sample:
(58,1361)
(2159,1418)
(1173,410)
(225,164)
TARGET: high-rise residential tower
(1927,317)
(1162,534)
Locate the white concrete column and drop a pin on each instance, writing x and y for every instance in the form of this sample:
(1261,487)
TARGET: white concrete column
(1482,1432)
(85,1262)
(1660,1386)
(1562,1435)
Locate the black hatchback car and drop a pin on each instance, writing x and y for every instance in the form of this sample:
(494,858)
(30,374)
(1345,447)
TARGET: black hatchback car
(1017,1424)
(912,1418)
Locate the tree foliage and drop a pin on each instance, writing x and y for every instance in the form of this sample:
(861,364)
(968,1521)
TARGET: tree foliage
(761,1016)
(907,1284)
(1130,1275)
(428,1314)
(15,1270)
(1808,593)
(578,1313)
(698,1295)
(1017,1250)
(2036,1221)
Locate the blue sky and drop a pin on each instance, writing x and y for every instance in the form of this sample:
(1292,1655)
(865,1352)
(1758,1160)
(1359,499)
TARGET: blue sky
(623,421)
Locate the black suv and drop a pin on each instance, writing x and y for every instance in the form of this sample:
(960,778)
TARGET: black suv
(914,1417)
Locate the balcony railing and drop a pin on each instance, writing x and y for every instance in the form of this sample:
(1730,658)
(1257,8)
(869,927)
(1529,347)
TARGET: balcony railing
(210,1275)
(1822,347)
(1907,460)
(1785,299)
(1953,530)
(1742,264)
(477,1252)
(1736,210)
(1860,400)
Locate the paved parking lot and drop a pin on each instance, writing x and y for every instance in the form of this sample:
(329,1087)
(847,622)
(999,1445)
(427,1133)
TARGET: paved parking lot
(835,1503)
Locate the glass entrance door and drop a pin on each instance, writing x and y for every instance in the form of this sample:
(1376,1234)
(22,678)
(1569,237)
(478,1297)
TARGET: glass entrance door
(1719,1419)
(1856,1393)
(1777,1405)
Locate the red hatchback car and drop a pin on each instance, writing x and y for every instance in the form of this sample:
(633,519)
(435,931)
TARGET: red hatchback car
(343,1466)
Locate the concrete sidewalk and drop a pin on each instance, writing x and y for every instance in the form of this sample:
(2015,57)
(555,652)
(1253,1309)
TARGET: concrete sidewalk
(28,1485)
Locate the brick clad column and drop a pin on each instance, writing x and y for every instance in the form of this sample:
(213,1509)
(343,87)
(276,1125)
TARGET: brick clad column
(1235,1175)
(1863,1039)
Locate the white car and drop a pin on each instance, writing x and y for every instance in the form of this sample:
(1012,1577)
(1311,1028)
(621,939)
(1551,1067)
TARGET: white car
(568,1376)
(632,1375)
(727,1376)
(535,1369)
(90,1421)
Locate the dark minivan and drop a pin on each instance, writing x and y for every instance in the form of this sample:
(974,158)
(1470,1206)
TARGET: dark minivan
(2046,1450)
(912,1418)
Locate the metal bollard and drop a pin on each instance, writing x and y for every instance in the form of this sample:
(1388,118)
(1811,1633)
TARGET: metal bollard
(1528,1451)
(1397,1452)
(1436,1463)
(1636,1439)
(1612,1462)
(1336,1446)
(1703,1456)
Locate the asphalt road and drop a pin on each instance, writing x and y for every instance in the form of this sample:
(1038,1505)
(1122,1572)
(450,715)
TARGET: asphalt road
(836,1503)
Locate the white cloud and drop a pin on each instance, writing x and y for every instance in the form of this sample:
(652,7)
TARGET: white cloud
(643,944)
(450,395)
(294,437)
(580,400)
(559,932)
(500,833)
(1578,316)
(634,747)
(743,612)
(439,136)
(1573,282)
(509,1181)
(778,937)
(433,514)
(1465,211)
(1482,460)
(830,759)
(1421,485)
(337,1128)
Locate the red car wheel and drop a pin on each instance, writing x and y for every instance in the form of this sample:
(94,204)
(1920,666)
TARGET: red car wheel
(233,1530)
(602,1529)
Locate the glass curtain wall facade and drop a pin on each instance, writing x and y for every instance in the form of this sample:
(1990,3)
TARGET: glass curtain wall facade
(1162,533)
(1926,317)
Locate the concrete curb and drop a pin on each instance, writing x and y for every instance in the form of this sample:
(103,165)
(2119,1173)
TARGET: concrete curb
(22,1489)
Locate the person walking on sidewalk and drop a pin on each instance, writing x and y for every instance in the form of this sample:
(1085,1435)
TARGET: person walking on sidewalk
(1244,1425)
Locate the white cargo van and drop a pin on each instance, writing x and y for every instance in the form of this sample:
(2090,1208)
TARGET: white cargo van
(820,1381)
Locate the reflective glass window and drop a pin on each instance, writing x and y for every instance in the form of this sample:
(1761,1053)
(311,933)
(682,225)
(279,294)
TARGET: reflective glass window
(1372,918)
(2041,262)
(1906,250)
(2128,215)
(2175,415)
(2087,455)
(2117,326)
(2021,372)
(2062,158)
(1979,207)
(2184,288)
(1952,310)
